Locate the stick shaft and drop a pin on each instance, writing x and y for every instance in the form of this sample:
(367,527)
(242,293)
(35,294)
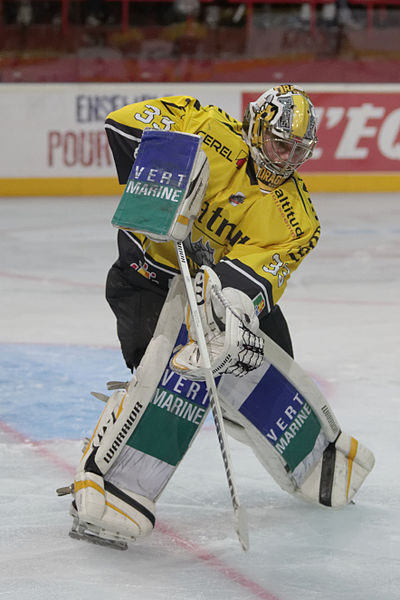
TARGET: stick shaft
(241,522)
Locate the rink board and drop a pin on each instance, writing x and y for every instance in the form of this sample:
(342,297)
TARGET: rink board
(103,186)
(57,145)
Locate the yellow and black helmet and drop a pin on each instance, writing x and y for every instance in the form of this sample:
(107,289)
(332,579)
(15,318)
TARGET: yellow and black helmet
(280,129)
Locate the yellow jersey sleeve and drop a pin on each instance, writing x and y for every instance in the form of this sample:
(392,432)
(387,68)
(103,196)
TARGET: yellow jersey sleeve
(124,127)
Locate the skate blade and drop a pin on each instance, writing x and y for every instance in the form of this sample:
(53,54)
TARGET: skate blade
(64,491)
(80,532)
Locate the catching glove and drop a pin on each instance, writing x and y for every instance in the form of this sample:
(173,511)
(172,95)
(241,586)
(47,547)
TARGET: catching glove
(230,327)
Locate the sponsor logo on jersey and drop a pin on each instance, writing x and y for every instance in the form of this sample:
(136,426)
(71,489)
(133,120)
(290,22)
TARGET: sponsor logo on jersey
(302,251)
(241,159)
(143,268)
(220,226)
(288,214)
(220,148)
(259,303)
(237,198)
(201,253)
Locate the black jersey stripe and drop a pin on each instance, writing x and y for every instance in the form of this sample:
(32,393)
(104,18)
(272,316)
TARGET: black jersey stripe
(250,171)
(154,263)
(236,274)
(130,132)
(300,193)
(167,105)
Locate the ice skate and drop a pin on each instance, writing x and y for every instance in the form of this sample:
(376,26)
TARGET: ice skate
(93,534)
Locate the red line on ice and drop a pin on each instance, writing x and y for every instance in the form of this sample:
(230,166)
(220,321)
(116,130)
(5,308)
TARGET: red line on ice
(38,448)
(210,559)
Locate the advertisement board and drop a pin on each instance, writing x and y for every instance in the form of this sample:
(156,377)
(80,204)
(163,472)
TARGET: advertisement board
(53,140)
(358,139)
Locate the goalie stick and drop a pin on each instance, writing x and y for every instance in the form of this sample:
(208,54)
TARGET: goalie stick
(240,518)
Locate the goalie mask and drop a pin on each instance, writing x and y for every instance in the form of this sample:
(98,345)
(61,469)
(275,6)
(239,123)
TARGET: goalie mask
(280,129)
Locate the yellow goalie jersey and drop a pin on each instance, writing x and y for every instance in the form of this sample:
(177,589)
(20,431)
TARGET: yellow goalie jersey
(253,240)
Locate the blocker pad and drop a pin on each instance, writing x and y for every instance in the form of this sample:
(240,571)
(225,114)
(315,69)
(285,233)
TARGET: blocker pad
(166,186)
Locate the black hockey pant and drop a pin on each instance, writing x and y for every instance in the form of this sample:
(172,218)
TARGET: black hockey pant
(137,303)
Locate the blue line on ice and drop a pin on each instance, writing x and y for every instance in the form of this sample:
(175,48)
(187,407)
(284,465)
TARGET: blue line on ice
(45,389)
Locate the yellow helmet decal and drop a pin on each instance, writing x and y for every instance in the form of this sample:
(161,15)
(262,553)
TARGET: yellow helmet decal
(300,115)
(268,113)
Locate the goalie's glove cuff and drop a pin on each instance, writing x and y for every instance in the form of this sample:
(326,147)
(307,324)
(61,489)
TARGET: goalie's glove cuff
(230,326)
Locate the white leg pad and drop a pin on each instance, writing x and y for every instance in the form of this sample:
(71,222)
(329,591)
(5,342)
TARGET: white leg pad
(282,415)
(268,457)
(339,474)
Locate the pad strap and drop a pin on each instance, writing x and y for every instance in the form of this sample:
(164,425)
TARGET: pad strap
(109,487)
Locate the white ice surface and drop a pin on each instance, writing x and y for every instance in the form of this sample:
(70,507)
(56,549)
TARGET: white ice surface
(56,330)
